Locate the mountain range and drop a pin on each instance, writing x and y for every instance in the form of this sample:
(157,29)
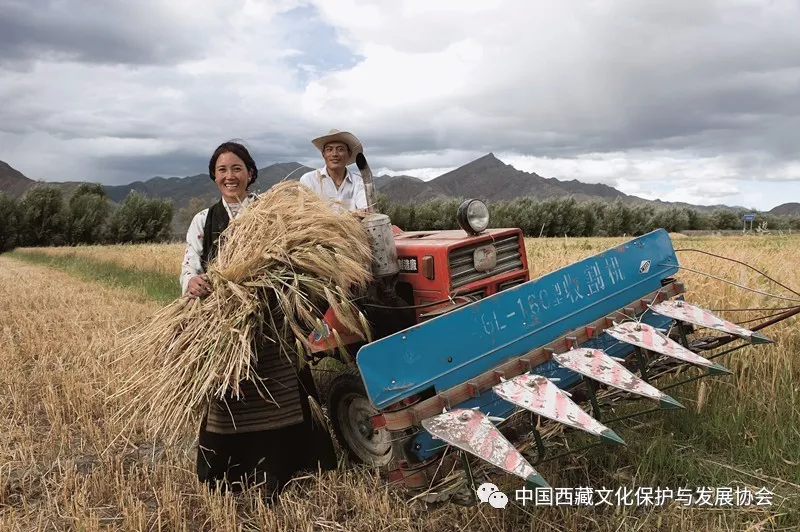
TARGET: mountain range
(486,178)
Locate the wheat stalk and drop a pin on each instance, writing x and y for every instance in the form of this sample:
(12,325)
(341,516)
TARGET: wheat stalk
(278,263)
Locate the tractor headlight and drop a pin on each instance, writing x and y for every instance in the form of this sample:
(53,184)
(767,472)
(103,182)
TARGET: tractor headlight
(473,216)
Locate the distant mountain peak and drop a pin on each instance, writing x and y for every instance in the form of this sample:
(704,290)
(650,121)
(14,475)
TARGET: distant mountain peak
(786,208)
(12,181)
(486,177)
(489,157)
(484,163)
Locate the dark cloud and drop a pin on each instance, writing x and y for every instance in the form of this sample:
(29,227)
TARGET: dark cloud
(122,32)
(615,91)
(120,170)
(700,76)
(266,149)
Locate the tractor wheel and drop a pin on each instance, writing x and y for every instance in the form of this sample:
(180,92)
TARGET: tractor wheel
(350,411)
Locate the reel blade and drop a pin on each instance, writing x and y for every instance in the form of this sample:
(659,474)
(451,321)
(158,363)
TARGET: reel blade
(647,337)
(471,431)
(598,365)
(683,311)
(541,396)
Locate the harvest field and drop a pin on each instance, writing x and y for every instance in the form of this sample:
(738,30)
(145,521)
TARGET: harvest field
(64,466)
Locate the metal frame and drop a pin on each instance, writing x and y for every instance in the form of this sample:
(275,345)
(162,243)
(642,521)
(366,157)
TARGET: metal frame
(413,415)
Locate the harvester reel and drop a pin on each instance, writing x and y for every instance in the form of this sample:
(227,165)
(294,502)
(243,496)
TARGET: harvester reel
(350,411)
(613,323)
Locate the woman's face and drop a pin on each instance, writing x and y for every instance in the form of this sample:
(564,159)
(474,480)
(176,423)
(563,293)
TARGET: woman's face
(232,177)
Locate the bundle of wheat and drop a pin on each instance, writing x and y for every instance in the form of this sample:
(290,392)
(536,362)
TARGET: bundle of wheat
(277,263)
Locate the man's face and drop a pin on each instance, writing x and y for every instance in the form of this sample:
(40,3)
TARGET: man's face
(335,155)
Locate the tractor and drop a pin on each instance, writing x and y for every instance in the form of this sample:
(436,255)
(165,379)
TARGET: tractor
(464,339)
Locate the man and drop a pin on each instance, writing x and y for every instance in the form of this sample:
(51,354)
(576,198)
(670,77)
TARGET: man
(334,181)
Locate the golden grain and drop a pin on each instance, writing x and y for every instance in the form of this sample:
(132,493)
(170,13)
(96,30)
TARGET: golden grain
(159,258)
(63,465)
(283,258)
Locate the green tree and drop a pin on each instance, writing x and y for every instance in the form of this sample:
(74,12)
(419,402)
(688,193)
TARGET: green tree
(726,219)
(88,213)
(570,222)
(141,219)
(774,222)
(401,215)
(501,214)
(186,214)
(614,219)
(447,214)
(671,219)
(589,212)
(412,217)
(698,220)
(42,212)
(640,219)
(9,223)
(426,215)
(383,204)
(526,214)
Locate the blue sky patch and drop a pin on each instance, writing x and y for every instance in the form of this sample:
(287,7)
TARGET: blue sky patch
(317,42)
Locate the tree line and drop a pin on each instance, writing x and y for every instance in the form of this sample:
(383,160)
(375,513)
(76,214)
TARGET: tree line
(43,217)
(567,216)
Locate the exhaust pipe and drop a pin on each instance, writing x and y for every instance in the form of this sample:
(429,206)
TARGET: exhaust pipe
(369,184)
(379,227)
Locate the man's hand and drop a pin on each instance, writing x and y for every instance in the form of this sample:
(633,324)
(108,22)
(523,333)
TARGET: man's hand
(198,286)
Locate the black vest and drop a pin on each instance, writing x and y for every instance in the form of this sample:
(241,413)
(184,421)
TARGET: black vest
(216,222)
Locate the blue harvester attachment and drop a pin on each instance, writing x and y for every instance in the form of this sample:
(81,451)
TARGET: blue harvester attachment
(519,348)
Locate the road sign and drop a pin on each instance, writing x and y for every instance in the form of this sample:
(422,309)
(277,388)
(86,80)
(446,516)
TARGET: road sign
(748,217)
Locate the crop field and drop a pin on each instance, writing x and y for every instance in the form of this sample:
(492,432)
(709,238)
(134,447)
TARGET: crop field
(65,466)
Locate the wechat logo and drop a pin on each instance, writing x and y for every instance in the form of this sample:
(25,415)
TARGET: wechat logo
(488,492)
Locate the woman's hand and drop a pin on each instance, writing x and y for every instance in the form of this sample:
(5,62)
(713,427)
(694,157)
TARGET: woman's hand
(198,286)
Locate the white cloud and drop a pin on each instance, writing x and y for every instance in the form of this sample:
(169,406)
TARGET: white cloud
(702,193)
(572,77)
(655,98)
(675,176)
(85,113)
(426,174)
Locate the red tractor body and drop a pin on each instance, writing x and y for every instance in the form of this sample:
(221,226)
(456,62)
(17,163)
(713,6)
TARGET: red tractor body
(438,265)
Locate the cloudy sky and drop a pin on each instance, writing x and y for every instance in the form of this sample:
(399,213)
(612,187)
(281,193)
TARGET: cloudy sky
(683,100)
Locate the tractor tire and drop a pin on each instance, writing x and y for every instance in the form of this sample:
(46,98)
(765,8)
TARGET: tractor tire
(350,410)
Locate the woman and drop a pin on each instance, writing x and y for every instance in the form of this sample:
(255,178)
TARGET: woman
(268,434)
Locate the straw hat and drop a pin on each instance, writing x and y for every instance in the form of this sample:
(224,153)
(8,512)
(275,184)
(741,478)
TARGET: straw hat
(334,135)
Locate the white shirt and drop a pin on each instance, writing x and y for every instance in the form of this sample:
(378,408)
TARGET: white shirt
(191,265)
(351,192)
